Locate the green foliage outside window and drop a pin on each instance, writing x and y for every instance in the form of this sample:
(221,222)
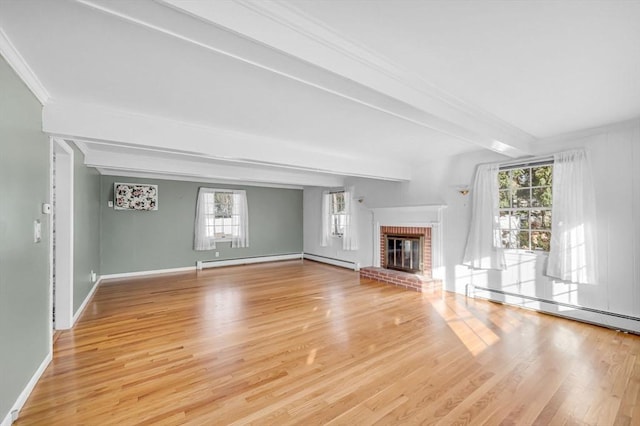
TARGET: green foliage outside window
(525,200)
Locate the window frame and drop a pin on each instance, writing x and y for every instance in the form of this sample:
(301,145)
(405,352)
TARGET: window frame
(225,237)
(513,210)
(334,217)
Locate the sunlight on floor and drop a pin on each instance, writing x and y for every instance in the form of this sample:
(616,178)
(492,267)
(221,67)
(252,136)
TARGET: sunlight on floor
(312,356)
(471,331)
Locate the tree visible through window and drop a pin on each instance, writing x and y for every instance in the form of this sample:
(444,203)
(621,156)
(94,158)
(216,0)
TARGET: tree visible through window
(525,207)
(338,213)
(219,211)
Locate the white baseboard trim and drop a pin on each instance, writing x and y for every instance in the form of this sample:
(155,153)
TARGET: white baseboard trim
(574,312)
(22,398)
(331,261)
(85,302)
(144,273)
(247,260)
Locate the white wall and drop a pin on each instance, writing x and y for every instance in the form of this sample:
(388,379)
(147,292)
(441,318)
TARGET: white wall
(615,157)
(312,208)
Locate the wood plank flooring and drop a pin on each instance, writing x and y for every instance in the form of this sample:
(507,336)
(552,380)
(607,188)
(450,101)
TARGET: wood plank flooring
(305,343)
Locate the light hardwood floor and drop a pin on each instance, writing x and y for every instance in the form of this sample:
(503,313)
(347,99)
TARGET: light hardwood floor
(305,343)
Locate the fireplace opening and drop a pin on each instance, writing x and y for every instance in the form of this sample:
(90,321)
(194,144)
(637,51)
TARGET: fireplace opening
(404,253)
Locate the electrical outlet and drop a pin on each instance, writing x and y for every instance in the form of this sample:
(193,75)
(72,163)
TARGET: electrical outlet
(94,277)
(217,254)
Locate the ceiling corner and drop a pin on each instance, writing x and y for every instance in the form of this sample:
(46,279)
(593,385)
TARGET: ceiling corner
(22,68)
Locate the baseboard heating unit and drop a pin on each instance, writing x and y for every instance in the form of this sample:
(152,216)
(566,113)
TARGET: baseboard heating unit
(202,264)
(333,261)
(616,321)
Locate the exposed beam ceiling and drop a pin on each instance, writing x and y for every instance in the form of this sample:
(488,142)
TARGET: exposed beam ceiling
(308,93)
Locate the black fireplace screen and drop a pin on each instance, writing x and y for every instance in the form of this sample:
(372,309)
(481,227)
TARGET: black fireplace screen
(404,253)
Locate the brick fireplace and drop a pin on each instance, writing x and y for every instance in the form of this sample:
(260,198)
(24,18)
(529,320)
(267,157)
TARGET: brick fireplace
(416,280)
(423,233)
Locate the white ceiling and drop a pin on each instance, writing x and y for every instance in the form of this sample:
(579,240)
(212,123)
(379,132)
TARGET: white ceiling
(308,92)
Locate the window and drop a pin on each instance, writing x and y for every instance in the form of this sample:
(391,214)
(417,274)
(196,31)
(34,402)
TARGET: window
(338,213)
(525,206)
(221,215)
(219,211)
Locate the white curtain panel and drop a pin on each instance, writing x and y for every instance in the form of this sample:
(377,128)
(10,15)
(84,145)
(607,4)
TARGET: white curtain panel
(350,235)
(484,246)
(326,219)
(572,256)
(201,241)
(240,218)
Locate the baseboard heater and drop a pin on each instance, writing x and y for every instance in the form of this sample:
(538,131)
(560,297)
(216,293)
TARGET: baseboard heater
(608,319)
(333,261)
(202,264)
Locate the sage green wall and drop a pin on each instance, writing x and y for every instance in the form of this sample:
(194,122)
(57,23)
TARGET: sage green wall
(86,227)
(25,317)
(133,241)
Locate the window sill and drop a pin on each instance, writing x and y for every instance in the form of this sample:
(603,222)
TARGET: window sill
(223,240)
(531,253)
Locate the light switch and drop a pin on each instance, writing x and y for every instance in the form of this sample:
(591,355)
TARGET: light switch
(110,203)
(37,231)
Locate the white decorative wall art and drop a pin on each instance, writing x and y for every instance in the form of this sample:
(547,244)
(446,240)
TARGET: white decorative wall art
(135,196)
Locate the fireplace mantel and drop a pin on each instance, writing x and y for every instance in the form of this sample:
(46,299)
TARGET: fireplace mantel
(429,216)
(421,215)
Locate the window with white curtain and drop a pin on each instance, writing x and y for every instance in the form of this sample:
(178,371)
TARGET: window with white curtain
(340,218)
(338,214)
(546,206)
(219,211)
(525,206)
(221,215)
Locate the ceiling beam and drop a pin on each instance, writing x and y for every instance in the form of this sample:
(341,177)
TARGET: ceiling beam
(98,124)
(126,161)
(281,41)
(400,92)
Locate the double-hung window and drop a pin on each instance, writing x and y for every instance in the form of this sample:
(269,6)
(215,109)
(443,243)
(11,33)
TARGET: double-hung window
(221,215)
(338,214)
(219,212)
(525,206)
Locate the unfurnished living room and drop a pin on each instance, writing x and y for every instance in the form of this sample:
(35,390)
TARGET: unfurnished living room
(314,212)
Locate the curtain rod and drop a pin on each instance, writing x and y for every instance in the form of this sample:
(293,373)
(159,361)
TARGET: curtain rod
(527,162)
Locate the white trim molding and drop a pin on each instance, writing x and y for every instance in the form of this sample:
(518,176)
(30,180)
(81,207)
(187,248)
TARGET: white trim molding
(22,398)
(24,71)
(64,248)
(332,261)
(247,260)
(85,302)
(145,273)
(565,310)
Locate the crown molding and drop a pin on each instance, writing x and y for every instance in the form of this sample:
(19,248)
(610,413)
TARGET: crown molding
(284,28)
(316,60)
(24,71)
(593,131)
